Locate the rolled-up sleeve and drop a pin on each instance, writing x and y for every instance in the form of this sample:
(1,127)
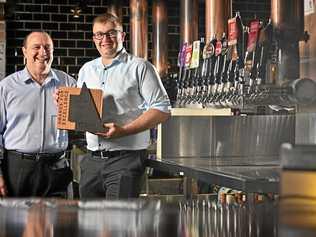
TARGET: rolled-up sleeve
(152,89)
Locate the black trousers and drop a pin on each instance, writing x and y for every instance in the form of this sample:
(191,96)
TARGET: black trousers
(115,177)
(36,178)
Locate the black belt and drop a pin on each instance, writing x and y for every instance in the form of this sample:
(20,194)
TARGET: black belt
(50,157)
(109,154)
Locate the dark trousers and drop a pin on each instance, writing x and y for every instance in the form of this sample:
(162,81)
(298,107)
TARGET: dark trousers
(36,178)
(112,178)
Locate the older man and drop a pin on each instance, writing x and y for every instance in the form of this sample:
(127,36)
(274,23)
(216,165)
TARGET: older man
(33,161)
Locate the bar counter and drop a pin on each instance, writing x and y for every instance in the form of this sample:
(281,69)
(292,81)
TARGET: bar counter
(248,175)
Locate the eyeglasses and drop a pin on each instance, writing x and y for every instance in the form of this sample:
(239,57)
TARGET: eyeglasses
(99,35)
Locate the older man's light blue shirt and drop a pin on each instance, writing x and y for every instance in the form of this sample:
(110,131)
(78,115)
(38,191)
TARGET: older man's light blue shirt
(28,112)
(130,86)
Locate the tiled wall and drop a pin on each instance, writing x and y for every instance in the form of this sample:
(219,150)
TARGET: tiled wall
(72,36)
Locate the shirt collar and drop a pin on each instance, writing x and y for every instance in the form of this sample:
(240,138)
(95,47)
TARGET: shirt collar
(26,76)
(120,57)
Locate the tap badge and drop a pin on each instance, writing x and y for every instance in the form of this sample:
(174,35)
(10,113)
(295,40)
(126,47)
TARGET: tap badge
(224,47)
(218,48)
(208,50)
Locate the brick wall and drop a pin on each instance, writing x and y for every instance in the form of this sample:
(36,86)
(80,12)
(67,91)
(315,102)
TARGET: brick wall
(72,36)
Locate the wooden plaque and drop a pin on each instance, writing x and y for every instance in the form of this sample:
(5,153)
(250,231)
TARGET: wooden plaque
(80,109)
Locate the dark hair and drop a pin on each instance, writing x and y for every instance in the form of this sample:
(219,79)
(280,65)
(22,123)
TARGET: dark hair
(28,35)
(108,17)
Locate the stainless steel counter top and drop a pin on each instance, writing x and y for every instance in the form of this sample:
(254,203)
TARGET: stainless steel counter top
(249,175)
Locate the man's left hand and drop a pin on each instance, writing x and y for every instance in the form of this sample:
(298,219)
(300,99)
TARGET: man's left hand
(112,131)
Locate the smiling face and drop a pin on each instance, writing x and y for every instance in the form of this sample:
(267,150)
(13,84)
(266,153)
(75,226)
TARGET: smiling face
(108,40)
(38,52)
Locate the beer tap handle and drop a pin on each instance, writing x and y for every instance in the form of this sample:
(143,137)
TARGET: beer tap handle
(187,62)
(182,71)
(194,68)
(265,42)
(207,54)
(241,42)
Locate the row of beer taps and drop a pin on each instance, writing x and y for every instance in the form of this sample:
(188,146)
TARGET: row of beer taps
(231,71)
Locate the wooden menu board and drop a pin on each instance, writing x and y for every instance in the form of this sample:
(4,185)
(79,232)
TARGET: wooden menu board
(80,109)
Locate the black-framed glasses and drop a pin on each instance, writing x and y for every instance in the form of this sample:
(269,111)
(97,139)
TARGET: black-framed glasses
(99,35)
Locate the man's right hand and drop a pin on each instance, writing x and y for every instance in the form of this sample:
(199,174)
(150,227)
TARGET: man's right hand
(3,188)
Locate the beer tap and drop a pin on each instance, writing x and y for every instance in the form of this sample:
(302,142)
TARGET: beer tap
(252,55)
(236,45)
(199,80)
(235,79)
(264,46)
(195,86)
(216,90)
(228,84)
(214,73)
(242,55)
(203,76)
(256,76)
(225,65)
(186,87)
(210,79)
(252,77)
(182,73)
(195,67)
(188,74)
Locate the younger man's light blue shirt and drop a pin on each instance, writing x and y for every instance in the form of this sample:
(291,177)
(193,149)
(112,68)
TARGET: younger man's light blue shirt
(130,86)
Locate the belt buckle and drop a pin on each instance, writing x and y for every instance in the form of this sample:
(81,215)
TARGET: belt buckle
(102,156)
(37,157)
